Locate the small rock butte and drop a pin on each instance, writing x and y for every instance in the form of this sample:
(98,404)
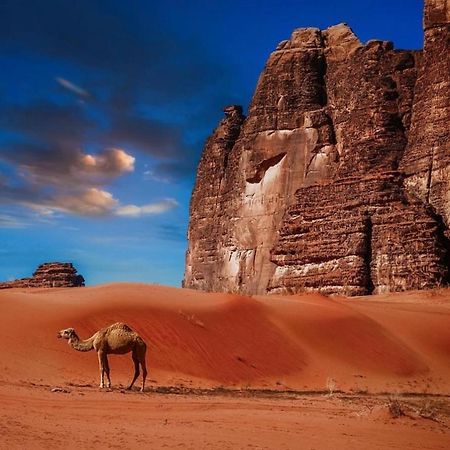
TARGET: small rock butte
(49,275)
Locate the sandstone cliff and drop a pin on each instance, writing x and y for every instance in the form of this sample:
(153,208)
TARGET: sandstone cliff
(49,275)
(338,179)
(426,162)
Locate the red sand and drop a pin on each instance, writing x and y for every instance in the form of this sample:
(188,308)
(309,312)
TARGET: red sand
(395,343)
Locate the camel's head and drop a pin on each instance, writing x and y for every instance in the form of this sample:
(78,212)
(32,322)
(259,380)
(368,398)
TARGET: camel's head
(68,333)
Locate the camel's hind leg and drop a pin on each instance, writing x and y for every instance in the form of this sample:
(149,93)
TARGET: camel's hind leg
(142,349)
(136,369)
(144,373)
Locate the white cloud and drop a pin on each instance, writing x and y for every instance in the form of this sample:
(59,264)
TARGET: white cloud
(146,210)
(88,202)
(92,202)
(112,162)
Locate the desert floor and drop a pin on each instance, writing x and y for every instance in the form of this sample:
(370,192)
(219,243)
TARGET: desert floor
(228,372)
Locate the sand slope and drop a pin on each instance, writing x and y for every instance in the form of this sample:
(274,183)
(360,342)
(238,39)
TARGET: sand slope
(198,339)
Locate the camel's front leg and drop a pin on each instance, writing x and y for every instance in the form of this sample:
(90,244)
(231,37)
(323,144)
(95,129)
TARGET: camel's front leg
(101,366)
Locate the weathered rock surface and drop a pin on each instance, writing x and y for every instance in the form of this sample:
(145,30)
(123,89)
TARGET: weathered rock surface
(426,162)
(326,184)
(369,239)
(49,275)
(208,198)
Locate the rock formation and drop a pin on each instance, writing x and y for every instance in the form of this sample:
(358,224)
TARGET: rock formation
(49,275)
(338,179)
(426,162)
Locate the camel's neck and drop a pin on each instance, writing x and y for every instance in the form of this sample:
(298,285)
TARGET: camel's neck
(81,346)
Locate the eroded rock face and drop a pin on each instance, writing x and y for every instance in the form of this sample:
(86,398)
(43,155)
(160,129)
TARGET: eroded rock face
(426,162)
(308,192)
(370,238)
(49,275)
(206,209)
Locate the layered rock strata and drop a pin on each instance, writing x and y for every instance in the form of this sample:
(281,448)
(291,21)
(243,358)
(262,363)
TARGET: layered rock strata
(426,162)
(309,191)
(370,239)
(49,275)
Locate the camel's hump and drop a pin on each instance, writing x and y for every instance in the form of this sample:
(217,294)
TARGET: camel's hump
(120,325)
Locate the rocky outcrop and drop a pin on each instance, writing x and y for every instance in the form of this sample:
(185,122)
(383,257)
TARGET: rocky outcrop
(49,275)
(371,238)
(309,191)
(207,201)
(426,162)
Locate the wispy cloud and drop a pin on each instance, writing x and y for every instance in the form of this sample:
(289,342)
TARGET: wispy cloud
(147,210)
(7,221)
(152,175)
(89,202)
(94,202)
(73,87)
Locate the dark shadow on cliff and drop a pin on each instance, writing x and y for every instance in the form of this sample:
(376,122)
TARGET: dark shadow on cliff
(443,233)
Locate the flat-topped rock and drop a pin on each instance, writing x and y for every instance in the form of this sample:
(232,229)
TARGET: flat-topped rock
(49,275)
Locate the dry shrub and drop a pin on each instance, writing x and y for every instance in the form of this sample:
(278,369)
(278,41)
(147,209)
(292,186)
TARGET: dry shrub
(396,407)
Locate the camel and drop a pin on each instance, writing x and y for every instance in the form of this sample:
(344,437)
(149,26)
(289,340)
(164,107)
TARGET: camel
(115,339)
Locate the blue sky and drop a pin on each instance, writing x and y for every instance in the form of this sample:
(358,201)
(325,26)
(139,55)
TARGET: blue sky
(105,106)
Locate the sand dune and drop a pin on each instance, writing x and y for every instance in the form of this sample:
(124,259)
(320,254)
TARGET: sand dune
(198,339)
(397,343)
